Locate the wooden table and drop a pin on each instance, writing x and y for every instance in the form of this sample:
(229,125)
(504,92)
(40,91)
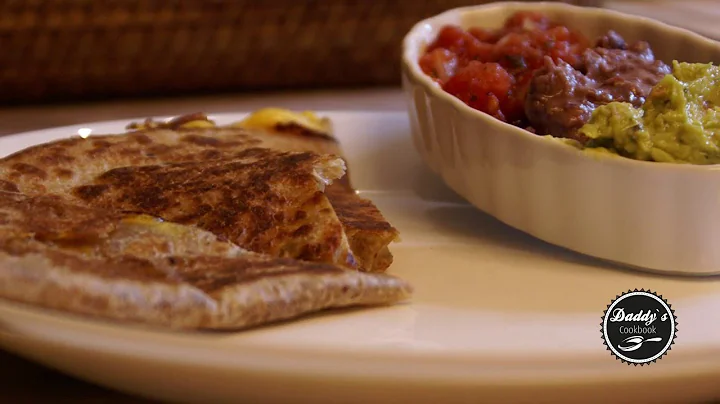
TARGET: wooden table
(24,382)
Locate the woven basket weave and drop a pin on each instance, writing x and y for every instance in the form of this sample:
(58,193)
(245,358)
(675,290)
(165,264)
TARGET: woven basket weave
(60,50)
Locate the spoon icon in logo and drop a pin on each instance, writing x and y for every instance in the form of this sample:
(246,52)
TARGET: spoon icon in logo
(635,342)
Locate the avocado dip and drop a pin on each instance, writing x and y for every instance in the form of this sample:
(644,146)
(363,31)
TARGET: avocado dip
(679,122)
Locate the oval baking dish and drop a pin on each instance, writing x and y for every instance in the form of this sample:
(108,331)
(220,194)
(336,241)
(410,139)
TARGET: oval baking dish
(654,216)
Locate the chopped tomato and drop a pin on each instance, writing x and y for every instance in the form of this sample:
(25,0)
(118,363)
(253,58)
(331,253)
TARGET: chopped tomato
(483,86)
(491,70)
(478,50)
(440,64)
(558,33)
(484,35)
(451,37)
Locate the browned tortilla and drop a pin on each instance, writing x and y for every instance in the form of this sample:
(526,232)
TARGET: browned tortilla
(62,166)
(107,264)
(368,232)
(266,201)
(263,200)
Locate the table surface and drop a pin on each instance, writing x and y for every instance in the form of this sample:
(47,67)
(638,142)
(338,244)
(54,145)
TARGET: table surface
(22,381)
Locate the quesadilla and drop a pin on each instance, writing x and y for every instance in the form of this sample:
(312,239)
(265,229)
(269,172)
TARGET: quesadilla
(74,167)
(134,267)
(368,232)
(262,200)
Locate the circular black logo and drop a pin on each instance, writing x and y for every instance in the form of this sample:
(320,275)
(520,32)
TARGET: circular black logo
(639,327)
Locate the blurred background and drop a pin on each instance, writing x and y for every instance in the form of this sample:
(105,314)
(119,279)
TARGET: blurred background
(71,50)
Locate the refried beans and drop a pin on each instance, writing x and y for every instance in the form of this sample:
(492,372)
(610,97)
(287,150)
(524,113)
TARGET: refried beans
(561,97)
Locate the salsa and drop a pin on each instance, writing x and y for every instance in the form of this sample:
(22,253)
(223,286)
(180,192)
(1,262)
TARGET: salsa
(491,70)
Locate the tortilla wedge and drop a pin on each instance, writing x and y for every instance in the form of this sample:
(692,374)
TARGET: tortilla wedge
(64,165)
(263,200)
(368,232)
(137,268)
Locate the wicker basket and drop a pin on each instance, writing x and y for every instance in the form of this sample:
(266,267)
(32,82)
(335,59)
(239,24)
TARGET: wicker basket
(60,50)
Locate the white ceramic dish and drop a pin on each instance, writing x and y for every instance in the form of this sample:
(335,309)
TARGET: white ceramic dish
(497,316)
(653,216)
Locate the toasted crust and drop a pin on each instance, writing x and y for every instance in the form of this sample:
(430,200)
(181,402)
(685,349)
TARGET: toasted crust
(165,274)
(367,230)
(277,291)
(263,200)
(77,161)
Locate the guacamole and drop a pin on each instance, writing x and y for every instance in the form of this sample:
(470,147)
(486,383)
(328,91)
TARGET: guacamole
(678,123)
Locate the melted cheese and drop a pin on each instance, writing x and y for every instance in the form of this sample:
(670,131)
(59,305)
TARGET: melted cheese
(266,118)
(142,219)
(156,224)
(269,118)
(198,124)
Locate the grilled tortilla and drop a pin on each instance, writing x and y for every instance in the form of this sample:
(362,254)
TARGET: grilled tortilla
(368,232)
(138,268)
(266,201)
(65,165)
(263,200)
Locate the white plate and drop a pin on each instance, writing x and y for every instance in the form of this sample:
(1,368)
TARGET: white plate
(497,315)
